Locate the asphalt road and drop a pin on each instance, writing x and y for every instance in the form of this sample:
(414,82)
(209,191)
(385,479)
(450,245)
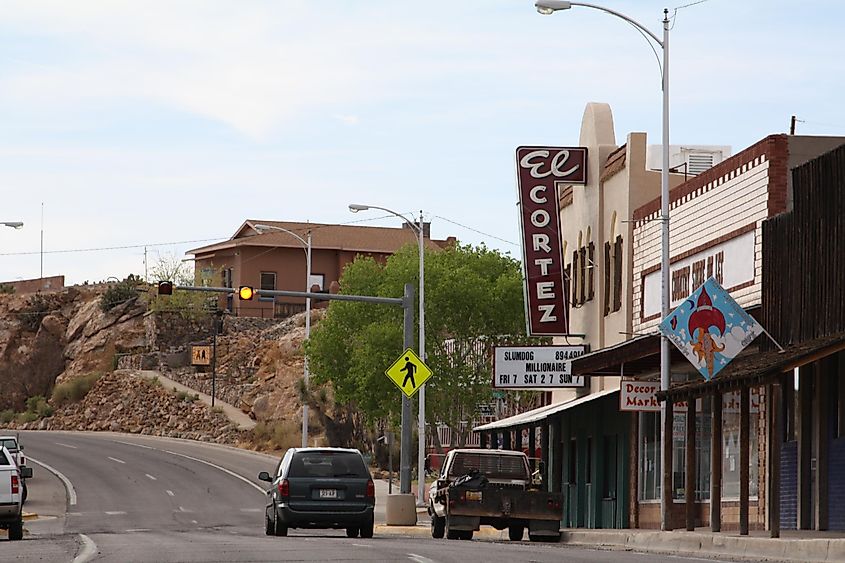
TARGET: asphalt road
(134,498)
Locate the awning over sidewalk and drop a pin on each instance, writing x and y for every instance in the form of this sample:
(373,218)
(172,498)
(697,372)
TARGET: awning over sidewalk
(536,415)
(628,358)
(757,368)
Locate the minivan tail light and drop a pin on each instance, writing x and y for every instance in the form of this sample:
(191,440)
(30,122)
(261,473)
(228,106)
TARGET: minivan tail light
(15,485)
(284,488)
(371,489)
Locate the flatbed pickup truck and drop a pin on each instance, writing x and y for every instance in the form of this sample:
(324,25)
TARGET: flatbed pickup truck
(11,501)
(495,488)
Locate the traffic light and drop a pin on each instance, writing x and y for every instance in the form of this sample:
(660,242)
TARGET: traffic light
(165,288)
(246,293)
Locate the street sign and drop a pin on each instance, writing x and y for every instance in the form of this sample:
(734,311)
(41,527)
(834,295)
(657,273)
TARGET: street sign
(539,172)
(536,367)
(710,328)
(408,372)
(201,355)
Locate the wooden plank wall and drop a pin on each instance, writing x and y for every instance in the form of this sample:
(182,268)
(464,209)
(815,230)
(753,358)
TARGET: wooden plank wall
(804,255)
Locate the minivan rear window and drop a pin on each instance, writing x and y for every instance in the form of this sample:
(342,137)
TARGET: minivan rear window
(327,464)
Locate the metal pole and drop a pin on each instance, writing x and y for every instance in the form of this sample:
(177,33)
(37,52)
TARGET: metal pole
(405,446)
(421,429)
(390,463)
(665,461)
(214,360)
(307,373)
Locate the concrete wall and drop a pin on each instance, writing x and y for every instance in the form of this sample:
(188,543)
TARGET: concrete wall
(50,284)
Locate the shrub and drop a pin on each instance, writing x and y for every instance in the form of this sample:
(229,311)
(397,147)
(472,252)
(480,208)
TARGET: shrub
(34,311)
(38,407)
(277,435)
(7,416)
(25,417)
(120,292)
(7,289)
(187,397)
(74,390)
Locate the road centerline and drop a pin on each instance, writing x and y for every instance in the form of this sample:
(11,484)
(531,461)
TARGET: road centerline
(117,460)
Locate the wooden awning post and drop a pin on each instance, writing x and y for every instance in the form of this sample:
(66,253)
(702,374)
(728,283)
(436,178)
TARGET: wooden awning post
(716,464)
(773,463)
(689,492)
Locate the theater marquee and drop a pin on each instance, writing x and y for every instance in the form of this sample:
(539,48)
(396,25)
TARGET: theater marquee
(539,172)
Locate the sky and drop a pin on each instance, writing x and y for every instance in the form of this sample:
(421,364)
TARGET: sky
(150,128)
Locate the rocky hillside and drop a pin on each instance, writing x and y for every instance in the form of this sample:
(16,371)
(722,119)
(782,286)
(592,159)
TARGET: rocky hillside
(52,337)
(58,339)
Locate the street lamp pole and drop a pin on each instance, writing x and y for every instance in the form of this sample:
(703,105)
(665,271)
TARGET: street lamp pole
(547,7)
(306,375)
(420,233)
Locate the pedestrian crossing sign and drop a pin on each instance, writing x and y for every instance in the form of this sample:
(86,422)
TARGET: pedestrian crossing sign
(408,372)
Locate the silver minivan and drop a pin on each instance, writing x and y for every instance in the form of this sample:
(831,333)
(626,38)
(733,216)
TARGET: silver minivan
(320,488)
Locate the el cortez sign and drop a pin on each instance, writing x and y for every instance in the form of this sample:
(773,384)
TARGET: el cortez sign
(540,170)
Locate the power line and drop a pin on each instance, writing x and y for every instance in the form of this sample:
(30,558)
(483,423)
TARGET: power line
(132,246)
(101,249)
(476,230)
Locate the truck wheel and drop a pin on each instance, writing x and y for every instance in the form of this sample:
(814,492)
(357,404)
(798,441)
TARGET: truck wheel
(515,533)
(450,533)
(466,534)
(352,532)
(438,526)
(23,493)
(16,530)
(554,538)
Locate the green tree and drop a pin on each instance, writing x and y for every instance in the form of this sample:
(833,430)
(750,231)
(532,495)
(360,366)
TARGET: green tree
(189,304)
(473,301)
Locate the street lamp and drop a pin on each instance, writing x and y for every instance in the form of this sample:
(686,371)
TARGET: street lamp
(306,373)
(547,7)
(418,231)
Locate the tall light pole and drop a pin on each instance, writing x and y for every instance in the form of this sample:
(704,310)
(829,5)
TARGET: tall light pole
(547,7)
(306,373)
(420,233)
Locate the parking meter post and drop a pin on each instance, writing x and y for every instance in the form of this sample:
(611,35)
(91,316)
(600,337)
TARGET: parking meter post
(405,446)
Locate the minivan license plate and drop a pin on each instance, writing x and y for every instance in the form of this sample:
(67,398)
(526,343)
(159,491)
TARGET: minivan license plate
(328,493)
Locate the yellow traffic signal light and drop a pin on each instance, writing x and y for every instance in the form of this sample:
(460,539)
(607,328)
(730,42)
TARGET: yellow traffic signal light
(165,288)
(246,293)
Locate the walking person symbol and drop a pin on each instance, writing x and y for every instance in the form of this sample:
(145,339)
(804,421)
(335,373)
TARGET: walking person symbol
(410,369)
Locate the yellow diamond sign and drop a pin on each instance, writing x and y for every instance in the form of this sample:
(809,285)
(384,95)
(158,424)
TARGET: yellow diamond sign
(408,372)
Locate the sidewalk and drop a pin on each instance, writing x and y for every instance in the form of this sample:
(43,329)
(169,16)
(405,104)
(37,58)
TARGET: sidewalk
(791,547)
(233,413)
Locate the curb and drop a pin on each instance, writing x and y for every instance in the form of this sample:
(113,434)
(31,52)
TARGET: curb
(486,532)
(29,516)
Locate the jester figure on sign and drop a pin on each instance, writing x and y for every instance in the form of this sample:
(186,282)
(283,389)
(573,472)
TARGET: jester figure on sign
(703,317)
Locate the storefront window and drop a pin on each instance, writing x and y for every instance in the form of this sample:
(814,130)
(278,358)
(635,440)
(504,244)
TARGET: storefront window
(649,462)
(730,444)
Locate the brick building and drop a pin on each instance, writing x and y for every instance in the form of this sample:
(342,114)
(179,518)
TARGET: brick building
(274,259)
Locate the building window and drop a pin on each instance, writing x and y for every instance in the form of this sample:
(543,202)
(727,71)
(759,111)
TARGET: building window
(730,444)
(591,268)
(617,273)
(607,278)
(268,281)
(318,280)
(649,454)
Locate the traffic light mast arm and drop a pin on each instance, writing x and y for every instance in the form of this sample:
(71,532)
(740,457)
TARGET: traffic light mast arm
(284,293)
